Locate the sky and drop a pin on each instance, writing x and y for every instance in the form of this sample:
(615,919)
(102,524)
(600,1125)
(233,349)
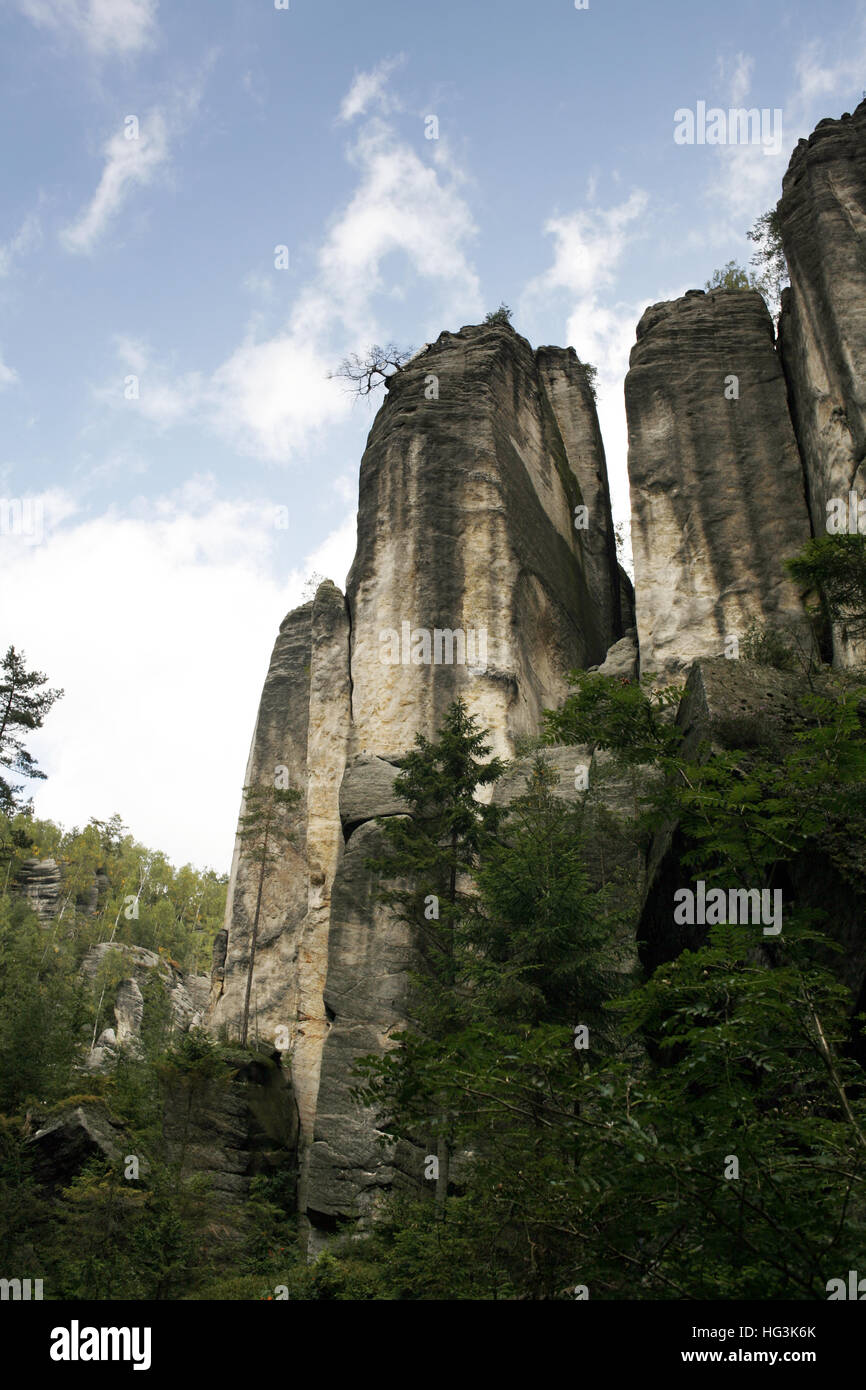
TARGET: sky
(205,206)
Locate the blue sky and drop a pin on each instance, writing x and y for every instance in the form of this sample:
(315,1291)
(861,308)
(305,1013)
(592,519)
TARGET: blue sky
(163,386)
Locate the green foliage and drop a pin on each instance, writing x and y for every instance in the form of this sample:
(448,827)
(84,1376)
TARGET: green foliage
(613,1167)
(769,256)
(836,566)
(23,707)
(500,315)
(43,1010)
(769,645)
(733,277)
(627,717)
(590,376)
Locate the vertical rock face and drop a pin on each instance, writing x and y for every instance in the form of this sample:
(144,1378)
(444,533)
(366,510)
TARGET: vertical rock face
(302,727)
(716,480)
(466,523)
(39,882)
(471,578)
(822,218)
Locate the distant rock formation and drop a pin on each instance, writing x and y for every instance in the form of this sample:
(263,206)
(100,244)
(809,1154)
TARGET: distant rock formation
(187,995)
(39,882)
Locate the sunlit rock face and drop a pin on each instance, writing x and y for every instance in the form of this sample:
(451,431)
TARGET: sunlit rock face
(822,220)
(717,490)
(485,568)
(469,522)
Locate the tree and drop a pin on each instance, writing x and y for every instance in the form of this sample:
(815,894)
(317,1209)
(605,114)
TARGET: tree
(23,706)
(373,369)
(500,315)
(262,831)
(733,277)
(434,848)
(770,255)
(835,565)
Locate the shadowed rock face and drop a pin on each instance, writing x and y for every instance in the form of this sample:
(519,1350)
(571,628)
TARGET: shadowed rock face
(716,483)
(822,332)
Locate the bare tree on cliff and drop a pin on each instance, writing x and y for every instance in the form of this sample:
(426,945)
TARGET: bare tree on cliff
(374,368)
(23,706)
(263,831)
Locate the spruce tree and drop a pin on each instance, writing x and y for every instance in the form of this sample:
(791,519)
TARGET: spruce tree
(434,849)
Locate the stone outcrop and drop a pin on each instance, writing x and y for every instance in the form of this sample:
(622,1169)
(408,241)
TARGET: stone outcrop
(716,482)
(301,735)
(239,1122)
(469,486)
(822,331)
(486,568)
(127,973)
(39,883)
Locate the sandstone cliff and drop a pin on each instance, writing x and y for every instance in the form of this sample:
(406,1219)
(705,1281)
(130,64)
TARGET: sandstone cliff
(822,219)
(486,568)
(717,490)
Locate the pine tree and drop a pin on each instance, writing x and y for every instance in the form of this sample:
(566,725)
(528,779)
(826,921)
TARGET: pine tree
(23,707)
(434,848)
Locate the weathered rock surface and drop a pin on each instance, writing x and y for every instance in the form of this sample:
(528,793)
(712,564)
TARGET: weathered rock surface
(469,484)
(822,218)
(240,1123)
(367,791)
(303,727)
(125,997)
(717,488)
(484,532)
(62,1147)
(39,882)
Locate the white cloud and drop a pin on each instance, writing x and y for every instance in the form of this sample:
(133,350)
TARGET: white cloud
(8,375)
(745,181)
(133,614)
(369,87)
(27,237)
(589,246)
(106,27)
(128,162)
(271,397)
(741,78)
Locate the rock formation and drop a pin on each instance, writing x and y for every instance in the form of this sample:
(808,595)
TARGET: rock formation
(822,220)
(39,882)
(125,1000)
(716,482)
(486,568)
